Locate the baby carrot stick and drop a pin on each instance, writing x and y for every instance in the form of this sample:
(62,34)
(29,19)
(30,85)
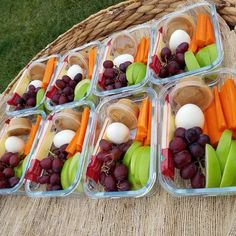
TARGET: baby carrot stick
(193,44)
(147,45)
(201,30)
(219,111)
(142,125)
(142,49)
(83,127)
(210,118)
(32,135)
(92,59)
(205,129)
(48,72)
(71,148)
(147,141)
(137,53)
(210,38)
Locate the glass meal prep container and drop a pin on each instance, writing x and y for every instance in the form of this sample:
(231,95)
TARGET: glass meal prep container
(29,91)
(120,147)
(196,24)
(122,65)
(216,165)
(57,163)
(74,78)
(17,142)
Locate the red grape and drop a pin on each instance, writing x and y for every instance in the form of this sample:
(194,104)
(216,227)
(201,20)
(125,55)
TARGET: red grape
(123,185)
(3,184)
(25,96)
(6,157)
(180,59)
(165,54)
(188,171)
(203,139)
(180,132)
(78,77)
(56,187)
(181,159)
(72,84)
(163,72)
(44,179)
(31,88)
(49,187)
(31,102)
(60,84)
(123,66)
(8,172)
(63,99)
(109,87)
(122,78)
(173,67)
(66,79)
(102,178)
(198,181)
(196,150)
(116,153)
(55,179)
(121,172)
(57,165)
(2,176)
(110,184)
(46,163)
(108,64)
(108,167)
(68,91)
(105,145)
(109,73)
(71,98)
(198,130)
(118,84)
(13,181)
(63,147)
(55,98)
(191,135)
(177,144)
(182,48)
(103,156)
(14,160)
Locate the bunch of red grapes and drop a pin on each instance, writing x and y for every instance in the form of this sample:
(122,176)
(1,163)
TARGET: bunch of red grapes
(113,77)
(28,99)
(173,64)
(52,166)
(188,148)
(113,175)
(7,174)
(65,89)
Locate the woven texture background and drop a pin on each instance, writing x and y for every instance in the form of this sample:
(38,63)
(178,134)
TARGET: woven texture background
(160,214)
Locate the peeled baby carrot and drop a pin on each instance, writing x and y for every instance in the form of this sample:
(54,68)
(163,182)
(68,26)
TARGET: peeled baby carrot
(92,59)
(210,118)
(228,100)
(147,141)
(48,72)
(210,38)
(147,45)
(71,148)
(141,50)
(137,53)
(219,111)
(32,135)
(193,44)
(205,129)
(201,30)
(83,127)
(142,126)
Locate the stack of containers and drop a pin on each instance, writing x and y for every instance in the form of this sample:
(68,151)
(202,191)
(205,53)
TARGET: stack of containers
(103,146)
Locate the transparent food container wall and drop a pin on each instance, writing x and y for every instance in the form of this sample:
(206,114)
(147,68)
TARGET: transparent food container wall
(83,61)
(92,187)
(110,51)
(65,120)
(17,143)
(38,73)
(161,32)
(177,186)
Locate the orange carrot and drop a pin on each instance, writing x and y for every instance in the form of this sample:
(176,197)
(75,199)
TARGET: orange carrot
(147,141)
(228,100)
(48,71)
(138,53)
(141,50)
(205,129)
(71,148)
(210,38)
(83,127)
(201,30)
(32,135)
(210,118)
(219,111)
(147,45)
(92,59)
(193,44)
(142,126)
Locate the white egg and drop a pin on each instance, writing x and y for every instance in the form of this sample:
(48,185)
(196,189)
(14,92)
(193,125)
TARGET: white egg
(14,144)
(189,116)
(178,37)
(63,137)
(74,70)
(118,133)
(37,83)
(123,58)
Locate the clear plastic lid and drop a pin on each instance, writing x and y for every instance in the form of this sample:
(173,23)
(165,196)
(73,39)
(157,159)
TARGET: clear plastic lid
(67,121)
(17,142)
(82,60)
(101,119)
(38,73)
(185,19)
(127,43)
(169,176)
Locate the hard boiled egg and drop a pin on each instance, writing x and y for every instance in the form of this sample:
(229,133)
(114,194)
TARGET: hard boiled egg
(63,137)
(189,116)
(123,58)
(74,70)
(118,133)
(36,83)
(178,37)
(14,144)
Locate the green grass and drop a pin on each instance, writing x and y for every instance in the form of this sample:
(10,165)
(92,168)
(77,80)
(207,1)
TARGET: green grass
(27,26)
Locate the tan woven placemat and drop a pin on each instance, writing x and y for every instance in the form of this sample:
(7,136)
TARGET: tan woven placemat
(158,215)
